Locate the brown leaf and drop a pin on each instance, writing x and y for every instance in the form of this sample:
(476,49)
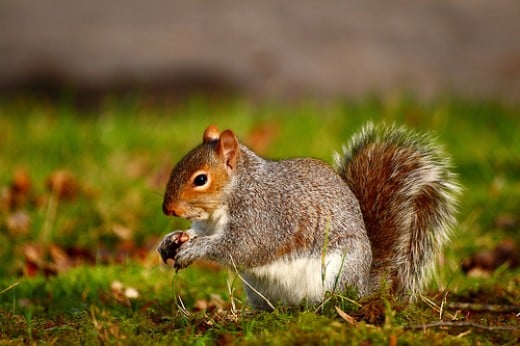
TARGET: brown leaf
(346,316)
(35,262)
(122,232)
(507,252)
(60,260)
(124,250)
(21,183)
(19,190)
(131,293)
(18,223)
(33,253)
(201,305)
(63,184)
(215,303)
(116,286)
(262,136)
(392,340)
(225,339)
(123,294)
(80,255)
(506,221)
(30,269)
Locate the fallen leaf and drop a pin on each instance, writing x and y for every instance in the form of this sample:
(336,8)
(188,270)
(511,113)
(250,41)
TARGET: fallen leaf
(21,183)
(225,339)
(346,316)
(506,221)
(262,136)
(131,293)
(60,259)
(18,223)
(63,184)
(201,305)
(507,252)
(79,255)
(116,286)
(392,340)
(19,190)
(35,262)
(214,303)
(33,253)
(122,232)
(122,293)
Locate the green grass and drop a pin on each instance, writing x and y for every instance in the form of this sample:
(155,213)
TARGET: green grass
(120,154)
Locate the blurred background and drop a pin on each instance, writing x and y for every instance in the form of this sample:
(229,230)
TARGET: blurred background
(261,49)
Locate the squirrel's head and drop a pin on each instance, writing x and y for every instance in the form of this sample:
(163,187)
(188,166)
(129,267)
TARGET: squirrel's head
(197,183)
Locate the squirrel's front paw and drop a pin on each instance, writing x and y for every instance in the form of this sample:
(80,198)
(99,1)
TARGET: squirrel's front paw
(187,254)
(169,246)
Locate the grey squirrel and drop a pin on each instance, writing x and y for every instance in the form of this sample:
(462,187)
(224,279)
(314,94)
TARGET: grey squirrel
(296,229)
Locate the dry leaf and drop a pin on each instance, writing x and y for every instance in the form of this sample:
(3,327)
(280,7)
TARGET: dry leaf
(131,293)
(122,232)
(33,254)
(116,286)
(346,316)
(35,262)
(21,183)
(123,294)
(215,303)
(60,259)
(507,221)
(63,184)
(18,223)
(392,340)
(262,136)
(507,252)
(19,190)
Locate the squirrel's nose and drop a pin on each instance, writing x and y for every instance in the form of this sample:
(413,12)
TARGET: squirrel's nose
(168,211)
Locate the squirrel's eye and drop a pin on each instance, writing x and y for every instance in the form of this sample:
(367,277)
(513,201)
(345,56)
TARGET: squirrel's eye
(200,180)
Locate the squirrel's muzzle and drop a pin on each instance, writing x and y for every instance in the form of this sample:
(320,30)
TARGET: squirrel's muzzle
(168,210)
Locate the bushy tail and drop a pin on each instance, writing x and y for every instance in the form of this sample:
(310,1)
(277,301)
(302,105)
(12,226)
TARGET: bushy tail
(408,197)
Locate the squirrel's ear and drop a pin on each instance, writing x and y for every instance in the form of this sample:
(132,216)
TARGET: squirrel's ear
(228,148)
(210,134)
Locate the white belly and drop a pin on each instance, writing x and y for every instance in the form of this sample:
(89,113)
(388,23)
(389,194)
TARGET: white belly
(293,281)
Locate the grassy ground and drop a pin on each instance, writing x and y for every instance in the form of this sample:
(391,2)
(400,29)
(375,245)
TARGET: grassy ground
(80,215)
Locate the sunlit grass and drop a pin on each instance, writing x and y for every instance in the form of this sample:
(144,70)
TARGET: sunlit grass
(120,155)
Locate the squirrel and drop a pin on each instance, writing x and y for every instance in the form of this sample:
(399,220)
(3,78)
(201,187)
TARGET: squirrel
(296,229)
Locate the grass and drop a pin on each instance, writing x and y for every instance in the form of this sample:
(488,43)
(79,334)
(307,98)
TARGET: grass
(81,268)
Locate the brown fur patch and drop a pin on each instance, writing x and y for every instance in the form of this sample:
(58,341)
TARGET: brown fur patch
(299,240)
(375,176)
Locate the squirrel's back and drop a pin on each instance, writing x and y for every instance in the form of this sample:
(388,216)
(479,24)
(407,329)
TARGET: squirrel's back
(407,194)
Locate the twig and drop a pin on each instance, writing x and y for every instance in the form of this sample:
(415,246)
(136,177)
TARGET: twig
(231,289)
(456,324)
(8,288)
(182,308)
(322,305)
(443,303)
(435,308)
(484,307)
(350,300)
